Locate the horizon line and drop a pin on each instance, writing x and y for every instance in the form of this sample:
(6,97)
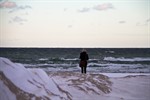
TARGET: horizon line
(69,47)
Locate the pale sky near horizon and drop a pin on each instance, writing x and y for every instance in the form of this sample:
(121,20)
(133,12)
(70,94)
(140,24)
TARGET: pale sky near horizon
(75,23)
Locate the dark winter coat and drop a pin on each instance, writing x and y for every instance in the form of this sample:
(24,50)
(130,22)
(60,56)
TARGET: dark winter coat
(84,57)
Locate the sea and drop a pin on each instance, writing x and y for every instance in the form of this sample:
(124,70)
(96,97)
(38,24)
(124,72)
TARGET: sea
(101,60)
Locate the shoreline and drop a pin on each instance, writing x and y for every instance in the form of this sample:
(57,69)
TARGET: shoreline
(111,75)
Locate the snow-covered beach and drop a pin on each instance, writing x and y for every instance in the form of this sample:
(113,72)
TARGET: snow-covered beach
(20,83)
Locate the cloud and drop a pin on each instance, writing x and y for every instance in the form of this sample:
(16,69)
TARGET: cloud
(104,6)
(140,24)
(84,10)
(122,22)
(148,20)
(69,26)
(144,23)
(8,4)
(100,7)
(13,7)
(17,19)
(20,8)
(65,9)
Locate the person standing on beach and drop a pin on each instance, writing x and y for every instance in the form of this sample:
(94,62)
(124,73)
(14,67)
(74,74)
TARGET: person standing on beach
(83,61)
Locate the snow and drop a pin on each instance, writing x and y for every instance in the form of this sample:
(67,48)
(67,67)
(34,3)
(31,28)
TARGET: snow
(72,85)
(130,88)
(5,93)
(33,81)
(79,85)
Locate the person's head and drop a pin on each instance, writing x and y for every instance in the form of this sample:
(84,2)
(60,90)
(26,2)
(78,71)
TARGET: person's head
(83,50)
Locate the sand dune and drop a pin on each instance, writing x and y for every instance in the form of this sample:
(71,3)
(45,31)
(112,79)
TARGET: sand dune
(20,83)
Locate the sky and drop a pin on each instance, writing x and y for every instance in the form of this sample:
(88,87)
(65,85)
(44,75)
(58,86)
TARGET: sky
(75,23)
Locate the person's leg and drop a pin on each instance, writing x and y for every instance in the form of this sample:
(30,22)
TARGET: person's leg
(85,70)
(85,67)
(81,69)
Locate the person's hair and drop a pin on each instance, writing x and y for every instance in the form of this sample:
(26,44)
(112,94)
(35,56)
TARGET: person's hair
(83,50)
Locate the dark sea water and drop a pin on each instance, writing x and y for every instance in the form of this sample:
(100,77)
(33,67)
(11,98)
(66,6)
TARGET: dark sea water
(106,60)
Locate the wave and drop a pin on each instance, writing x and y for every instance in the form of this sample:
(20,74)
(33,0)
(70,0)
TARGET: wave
(122,59)
(126,59)
(94,67)
(50,65)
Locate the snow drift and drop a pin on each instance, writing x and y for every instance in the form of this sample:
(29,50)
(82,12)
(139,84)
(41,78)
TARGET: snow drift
(20,83)
(25,83)
(17,82)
